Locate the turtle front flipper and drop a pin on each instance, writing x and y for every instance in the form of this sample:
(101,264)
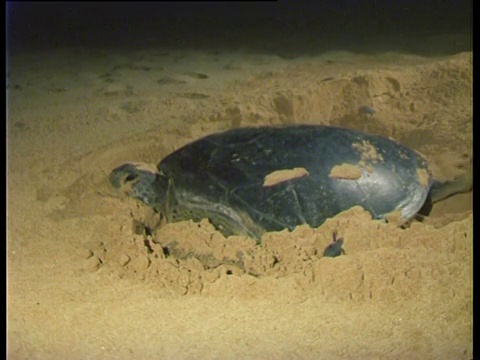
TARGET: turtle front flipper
(142,182)
(182,205)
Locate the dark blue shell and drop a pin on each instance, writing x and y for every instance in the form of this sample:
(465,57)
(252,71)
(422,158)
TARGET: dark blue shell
(221,177)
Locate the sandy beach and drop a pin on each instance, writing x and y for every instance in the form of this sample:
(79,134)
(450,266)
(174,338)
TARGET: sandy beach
(85,283)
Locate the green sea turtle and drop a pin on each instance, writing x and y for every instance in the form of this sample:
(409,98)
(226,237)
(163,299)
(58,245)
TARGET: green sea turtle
(252,180)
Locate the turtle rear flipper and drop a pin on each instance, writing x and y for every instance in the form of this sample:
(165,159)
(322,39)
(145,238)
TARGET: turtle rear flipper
(442,190)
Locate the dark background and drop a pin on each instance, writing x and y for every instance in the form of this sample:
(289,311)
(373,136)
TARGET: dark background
(32,25)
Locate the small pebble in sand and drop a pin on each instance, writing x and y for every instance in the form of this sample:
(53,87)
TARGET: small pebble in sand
(365,109)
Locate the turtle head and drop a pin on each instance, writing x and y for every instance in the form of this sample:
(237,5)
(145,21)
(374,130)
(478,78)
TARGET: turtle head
(142,182)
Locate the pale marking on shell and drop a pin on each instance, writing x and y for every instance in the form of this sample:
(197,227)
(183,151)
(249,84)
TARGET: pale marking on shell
(368,152)
(423,177)
(368,155)
(346,172)
(279,176)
